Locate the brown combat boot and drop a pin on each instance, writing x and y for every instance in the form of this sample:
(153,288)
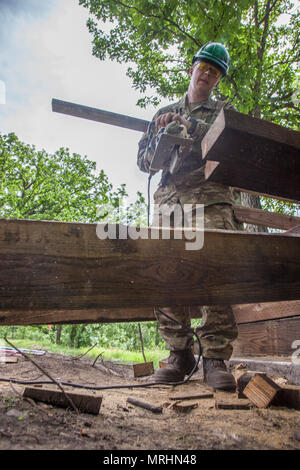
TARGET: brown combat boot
(180,363)
(216,374)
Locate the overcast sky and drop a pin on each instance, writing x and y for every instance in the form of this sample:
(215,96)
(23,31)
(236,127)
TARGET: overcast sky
(45,53)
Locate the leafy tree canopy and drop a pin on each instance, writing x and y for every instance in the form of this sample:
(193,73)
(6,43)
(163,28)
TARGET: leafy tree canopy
(158,38)
(61,186)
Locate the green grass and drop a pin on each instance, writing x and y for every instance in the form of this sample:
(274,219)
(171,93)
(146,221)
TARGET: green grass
(112,354)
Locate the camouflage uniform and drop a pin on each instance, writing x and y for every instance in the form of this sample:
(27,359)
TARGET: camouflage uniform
(218,328)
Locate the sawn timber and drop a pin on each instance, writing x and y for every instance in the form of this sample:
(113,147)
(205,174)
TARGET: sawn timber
(65,269)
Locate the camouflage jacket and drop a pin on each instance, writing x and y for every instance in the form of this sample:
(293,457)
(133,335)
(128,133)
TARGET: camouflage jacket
(190,178)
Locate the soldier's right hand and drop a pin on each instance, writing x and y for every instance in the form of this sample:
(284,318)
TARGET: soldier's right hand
(164,119)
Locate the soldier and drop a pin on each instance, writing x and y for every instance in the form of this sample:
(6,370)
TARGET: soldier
(196,111)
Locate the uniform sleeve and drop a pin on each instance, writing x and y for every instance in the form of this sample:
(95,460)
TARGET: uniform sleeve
(145,153)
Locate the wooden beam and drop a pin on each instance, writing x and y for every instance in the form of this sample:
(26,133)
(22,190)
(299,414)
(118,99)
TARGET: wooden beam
(65,267)
(99,115)
(271,337)
(253,154)
(269,219)
(248,313)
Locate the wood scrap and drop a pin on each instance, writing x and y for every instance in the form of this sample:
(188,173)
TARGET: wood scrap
(242,380)
(184,406)
(146,406)
(191,395)
(143,369)
(8,360)
(233,404)
(163,363)
(84,402)
(261,390)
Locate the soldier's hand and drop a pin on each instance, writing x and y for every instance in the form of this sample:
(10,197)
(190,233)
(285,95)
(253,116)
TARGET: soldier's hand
(164,119)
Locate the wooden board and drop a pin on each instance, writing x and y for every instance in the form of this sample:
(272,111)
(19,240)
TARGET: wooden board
(248,313)
(84,401)
(271,337)
(253,154)
(65,267)
(99,115)
(268,219)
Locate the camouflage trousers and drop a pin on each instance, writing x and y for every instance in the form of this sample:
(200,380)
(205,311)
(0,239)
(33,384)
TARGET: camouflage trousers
(218,327)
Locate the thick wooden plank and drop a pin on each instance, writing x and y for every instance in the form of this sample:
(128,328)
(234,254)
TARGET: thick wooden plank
(271,337)
(248,313)
(254,216)
(65,266)
(253,154)
(99,115)
(84,401)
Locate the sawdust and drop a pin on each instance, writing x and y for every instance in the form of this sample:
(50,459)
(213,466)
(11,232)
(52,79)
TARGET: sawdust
(122,426)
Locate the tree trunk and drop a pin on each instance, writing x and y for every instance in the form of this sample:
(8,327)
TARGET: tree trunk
(58,334)
(72,335)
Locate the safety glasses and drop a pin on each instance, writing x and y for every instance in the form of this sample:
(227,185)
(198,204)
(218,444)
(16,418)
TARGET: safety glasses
(204,67)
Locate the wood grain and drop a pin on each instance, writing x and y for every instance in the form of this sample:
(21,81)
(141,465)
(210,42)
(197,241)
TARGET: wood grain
(64,267)
(271,337)
(253,154)
(248,313)
(99,115)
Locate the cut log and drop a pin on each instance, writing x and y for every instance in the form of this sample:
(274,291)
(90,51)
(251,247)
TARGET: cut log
(261,390)
(268,219)
(253,154)
(84,401)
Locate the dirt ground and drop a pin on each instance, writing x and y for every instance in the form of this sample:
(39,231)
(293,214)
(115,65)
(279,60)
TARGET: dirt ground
(122,426)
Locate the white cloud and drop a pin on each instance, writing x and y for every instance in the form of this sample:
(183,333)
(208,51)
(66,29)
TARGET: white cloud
(49,55)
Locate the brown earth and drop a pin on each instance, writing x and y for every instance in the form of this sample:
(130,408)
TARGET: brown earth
(122,426)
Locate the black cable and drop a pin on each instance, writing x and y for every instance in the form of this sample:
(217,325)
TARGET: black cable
(149,180)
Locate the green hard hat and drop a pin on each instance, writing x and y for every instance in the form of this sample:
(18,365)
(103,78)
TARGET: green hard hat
(215,53)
